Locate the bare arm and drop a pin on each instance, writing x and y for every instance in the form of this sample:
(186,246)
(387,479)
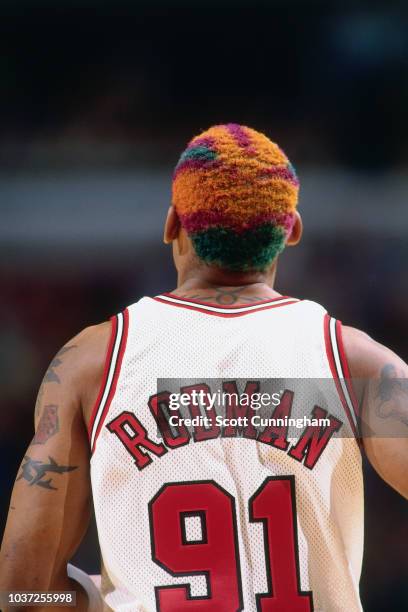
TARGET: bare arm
(50,503)
(384,406)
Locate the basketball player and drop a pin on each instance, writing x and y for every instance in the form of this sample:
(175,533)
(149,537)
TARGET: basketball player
(211,518)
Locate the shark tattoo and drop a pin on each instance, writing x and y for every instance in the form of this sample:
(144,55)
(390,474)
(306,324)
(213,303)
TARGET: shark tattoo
(34,471)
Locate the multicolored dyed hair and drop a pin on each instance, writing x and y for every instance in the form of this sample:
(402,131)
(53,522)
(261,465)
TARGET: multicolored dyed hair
(235,193)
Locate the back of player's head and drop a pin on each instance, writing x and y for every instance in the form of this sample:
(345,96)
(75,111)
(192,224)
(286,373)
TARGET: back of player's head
(235,193)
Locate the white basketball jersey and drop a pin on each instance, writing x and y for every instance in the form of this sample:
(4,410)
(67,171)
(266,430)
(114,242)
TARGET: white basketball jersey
(221,518)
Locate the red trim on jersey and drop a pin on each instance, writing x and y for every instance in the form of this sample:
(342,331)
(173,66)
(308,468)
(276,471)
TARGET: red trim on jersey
(176,297)
(108,357)
(333,368)
(329,349)
(115,376)
(346,369)
(267,306)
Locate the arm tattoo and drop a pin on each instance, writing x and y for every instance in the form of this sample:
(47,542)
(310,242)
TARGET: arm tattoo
(395,390)
(226,296)
(51,375)
(34,471)
(48,424)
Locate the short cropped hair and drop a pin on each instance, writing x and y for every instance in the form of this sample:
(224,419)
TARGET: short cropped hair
(236,194)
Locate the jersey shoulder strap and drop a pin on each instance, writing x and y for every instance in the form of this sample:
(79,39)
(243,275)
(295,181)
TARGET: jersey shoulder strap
(340,371)
(113,363)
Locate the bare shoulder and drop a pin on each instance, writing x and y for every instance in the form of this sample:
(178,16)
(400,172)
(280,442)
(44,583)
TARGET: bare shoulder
(89,362)
(366,357)
(91,345)
(383,379)
(75,373)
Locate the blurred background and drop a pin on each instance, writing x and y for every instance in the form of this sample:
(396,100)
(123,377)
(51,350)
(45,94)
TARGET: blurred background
(97,100)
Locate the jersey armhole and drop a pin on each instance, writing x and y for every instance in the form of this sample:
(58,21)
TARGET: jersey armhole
(113,362)
(340,370)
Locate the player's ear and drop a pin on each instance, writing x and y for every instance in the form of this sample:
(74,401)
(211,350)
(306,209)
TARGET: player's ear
(297,231)
(172,226)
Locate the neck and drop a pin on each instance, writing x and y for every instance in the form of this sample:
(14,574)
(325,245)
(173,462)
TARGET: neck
(215,285)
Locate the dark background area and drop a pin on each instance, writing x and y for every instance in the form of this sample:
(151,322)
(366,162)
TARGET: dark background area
(97,100)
